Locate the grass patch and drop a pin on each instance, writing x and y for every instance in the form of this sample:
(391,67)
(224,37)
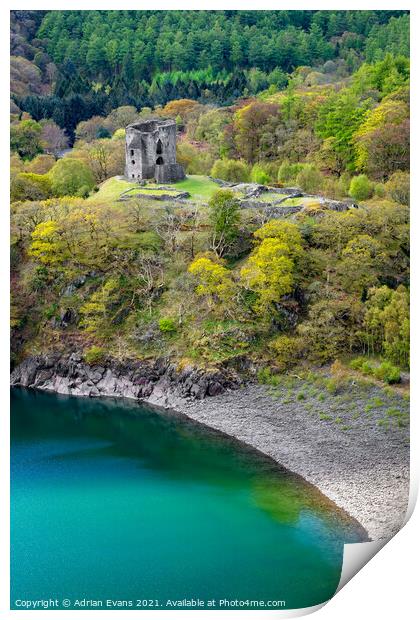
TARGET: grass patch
(94,355)
(200,187)
(266,377)
(377,402)
(306,201)
(393,412)
(400,418)
(110,190)
(288,397)
(324,416)
(269,197)
(333,386)
(386,372)
(150,192)
(346,398)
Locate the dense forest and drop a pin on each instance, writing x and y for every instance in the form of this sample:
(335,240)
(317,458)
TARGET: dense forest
(317,101)
(71,65)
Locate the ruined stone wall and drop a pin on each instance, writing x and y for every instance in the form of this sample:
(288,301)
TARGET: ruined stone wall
(151,151)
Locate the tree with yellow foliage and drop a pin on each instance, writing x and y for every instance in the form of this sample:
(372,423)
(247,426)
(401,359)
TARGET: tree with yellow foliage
(180,107)
(362,261)
(382,140)
(47,245)
(95,312)
(215,281)
(286,232)
(249,123)
(269,270)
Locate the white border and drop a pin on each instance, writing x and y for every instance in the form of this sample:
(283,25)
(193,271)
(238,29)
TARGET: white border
(386,586)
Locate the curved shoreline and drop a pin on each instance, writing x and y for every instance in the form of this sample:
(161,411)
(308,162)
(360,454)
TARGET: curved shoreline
(363,469)
(367,481)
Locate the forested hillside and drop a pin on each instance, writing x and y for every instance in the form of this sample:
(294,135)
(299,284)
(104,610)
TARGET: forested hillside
(311,106)
(71,65)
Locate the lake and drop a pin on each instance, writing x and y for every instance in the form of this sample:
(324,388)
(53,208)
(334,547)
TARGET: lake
(115,500)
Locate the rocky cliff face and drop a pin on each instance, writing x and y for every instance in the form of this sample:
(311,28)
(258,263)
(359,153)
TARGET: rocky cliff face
(159,382)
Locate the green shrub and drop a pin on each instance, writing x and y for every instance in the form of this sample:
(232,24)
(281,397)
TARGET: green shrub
(398,187)
(94,354)
(287,349)
(310,179)
(194,160)
(149,240)
(367,368)
(388,373)
(380,191)
(332,386)
(119,134)
(83,192)
(70,176)
(167,325)
(333,189)
(288,172)
(259,175)
(361,188)
(339,379)
(41,164)
(357,363)
(234,170)
(266,377)
(30,186)
(51,311)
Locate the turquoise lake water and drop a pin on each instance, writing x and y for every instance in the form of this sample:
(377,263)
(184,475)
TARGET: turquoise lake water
(112,500)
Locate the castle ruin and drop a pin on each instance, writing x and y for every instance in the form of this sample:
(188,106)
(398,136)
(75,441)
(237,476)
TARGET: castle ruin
(150,151)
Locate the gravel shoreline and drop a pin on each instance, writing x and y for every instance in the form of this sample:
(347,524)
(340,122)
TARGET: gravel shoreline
(362,467)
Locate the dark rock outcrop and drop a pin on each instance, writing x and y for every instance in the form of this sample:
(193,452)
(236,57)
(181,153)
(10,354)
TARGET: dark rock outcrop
(67,317)
(159,382)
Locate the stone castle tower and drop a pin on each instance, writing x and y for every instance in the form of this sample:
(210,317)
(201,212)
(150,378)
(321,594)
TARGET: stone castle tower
(150,151)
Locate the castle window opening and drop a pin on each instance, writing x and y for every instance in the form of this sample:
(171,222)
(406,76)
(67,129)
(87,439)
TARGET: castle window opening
(159,148)
(159,161)
(132,161)
(131,152)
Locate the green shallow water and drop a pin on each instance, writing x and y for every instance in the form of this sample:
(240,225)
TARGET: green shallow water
(115,500)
